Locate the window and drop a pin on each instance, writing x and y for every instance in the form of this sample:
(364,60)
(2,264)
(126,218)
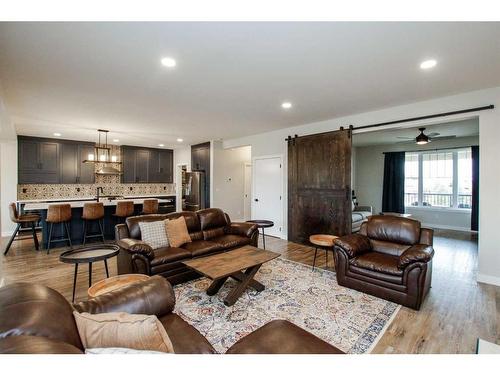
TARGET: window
(439,179)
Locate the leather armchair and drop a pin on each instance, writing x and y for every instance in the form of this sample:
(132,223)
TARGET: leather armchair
(390,257)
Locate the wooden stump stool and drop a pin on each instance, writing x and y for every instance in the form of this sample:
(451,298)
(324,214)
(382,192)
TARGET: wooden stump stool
(322,241)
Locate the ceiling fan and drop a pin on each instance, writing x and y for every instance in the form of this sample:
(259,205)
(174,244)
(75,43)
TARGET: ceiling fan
(423,139)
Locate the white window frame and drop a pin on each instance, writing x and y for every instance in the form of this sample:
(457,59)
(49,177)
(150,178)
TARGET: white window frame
(455,181)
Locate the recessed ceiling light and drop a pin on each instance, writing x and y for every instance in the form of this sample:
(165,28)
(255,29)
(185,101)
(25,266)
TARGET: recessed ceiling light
(168,62)
(180,139)
(161,145)
(116,140)
(286,105)
(427,64)
(57,134)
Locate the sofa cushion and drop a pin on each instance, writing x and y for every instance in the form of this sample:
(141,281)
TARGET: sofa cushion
(185,338)
(133,223)
(199,248)
(192,220)
(154,234)
(169,254)
(231,240)
(123,330)
(393,229)
(212,218)
(378,262)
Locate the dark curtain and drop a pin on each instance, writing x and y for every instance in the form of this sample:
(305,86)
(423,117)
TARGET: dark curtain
(474,219)
(393,197)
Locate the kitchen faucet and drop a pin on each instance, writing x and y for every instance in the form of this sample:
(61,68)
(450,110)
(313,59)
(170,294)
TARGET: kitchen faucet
(99,189)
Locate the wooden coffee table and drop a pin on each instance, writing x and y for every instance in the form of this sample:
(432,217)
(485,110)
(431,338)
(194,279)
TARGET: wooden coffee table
(241,264)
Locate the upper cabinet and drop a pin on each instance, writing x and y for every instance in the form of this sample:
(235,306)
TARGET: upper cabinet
(47,161)
(38,161)
(151,165)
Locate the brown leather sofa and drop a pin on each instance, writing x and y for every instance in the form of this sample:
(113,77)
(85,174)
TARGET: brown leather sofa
(390,257)
(35,319)
(210,230)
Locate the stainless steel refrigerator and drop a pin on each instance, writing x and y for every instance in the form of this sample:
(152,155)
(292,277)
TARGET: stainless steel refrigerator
(193,191)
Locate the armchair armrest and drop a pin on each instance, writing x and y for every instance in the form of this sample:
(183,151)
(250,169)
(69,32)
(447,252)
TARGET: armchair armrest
(354,244)
(136,247)
(416,253)
(242,229)
(154,296)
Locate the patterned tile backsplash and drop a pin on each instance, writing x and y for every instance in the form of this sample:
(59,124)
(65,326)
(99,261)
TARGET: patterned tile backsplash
(56,191)
(110,183)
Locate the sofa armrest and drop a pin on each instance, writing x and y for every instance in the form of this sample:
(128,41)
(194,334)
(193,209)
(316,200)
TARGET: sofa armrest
(136,247)
(154,296)
(354,244)
(242,229)
(364,209)
(121,232)
(416,253)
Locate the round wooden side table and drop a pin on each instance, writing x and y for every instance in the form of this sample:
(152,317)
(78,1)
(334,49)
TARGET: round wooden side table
(113,283)
(322,241)
(89,254)
(262,224)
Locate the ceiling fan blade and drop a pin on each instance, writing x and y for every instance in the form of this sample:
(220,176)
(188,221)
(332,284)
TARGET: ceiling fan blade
(405,137)
(432,135)
(444,137)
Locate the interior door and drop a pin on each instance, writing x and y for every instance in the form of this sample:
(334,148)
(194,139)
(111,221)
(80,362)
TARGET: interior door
(319,185)
(267,191)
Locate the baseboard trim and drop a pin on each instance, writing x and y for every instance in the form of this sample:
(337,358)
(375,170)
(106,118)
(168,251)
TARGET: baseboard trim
(450,227)
(487,279)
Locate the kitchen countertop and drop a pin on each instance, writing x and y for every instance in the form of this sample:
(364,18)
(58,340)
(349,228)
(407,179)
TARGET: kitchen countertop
(80,203)
(63,200)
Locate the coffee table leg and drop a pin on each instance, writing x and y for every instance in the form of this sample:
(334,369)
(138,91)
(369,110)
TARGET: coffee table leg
(239,276)
(106,265)
(74,281)
(90,274)
(248,275)
(216,285)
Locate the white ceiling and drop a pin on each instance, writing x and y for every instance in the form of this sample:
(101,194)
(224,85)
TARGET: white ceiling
(459,129)
(231,77)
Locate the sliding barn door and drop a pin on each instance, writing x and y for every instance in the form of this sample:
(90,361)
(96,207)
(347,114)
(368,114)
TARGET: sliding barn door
(319,185)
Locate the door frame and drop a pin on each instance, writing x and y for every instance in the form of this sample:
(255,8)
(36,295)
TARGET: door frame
(246,165)
(252,203)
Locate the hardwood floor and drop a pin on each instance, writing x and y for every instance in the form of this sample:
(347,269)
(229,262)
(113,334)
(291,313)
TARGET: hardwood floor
(456,312)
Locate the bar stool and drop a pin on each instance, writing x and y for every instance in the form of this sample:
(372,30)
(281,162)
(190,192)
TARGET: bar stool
(123,210)
(59,214)
(150,206)
(19,220)
(322,241)
(93,212)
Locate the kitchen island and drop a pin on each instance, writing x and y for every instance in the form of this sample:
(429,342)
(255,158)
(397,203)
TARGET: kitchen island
(167,204)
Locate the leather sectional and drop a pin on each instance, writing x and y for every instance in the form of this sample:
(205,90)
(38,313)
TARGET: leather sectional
(211,232)
(35,319)
(390,257)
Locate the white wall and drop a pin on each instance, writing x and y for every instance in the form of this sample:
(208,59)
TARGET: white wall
(229,178)
(489,128)
(8,169)
(369,170)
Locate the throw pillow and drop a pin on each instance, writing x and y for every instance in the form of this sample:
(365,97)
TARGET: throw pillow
(111,330)
(177,232)
(119,351)
(154,234)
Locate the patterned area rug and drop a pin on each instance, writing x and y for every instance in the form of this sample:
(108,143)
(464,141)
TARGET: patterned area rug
(350,320)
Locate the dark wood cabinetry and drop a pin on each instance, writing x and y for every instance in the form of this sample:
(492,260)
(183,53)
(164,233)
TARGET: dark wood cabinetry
(50,161)
(147,165)
(200,161)
(38,161)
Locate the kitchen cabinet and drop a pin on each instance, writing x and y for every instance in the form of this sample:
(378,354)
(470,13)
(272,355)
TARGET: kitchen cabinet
(141,165)
(72,168)
(38,161)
